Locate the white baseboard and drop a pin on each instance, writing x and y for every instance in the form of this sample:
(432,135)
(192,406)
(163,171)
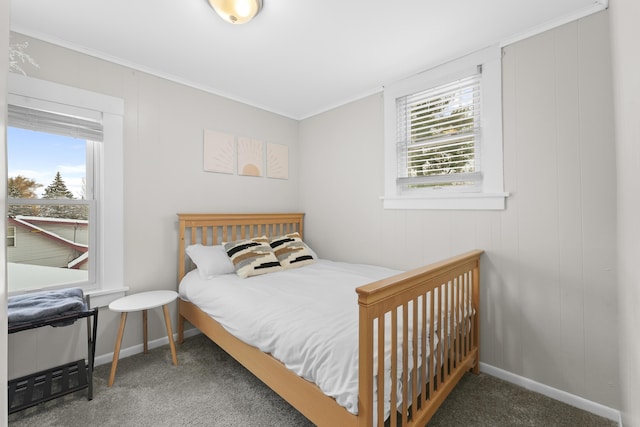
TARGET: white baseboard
(562,396)
(139,348)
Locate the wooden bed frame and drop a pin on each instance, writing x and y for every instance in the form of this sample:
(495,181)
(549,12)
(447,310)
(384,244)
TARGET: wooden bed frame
(452,283)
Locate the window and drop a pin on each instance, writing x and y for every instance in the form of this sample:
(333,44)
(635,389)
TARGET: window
(62,195)
(438,135)
(51,197)
(11,237)
(443,137)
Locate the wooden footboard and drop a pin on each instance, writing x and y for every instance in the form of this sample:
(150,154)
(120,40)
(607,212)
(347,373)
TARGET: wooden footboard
(400,311)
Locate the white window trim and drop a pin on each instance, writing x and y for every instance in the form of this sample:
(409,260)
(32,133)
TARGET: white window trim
(110,221)
(492,195)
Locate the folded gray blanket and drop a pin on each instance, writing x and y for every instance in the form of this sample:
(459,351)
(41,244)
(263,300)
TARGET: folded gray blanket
(39,305)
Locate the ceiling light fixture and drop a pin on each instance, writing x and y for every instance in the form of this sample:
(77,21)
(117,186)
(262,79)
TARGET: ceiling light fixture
(236,11)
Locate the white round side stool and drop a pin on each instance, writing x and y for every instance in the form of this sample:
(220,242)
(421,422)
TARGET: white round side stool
(136,302)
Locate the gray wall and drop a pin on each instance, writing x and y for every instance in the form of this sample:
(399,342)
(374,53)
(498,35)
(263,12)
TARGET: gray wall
(549,298)
(625,16)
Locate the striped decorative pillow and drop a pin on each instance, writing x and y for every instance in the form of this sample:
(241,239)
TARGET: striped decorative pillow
(252,257)
(291,251)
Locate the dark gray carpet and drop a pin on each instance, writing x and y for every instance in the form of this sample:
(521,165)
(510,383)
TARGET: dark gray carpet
(209,388)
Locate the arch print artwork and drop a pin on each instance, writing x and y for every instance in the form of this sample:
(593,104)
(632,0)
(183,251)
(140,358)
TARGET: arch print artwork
(250,156)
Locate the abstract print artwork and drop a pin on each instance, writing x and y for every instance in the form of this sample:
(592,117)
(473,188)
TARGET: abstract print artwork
(277,161)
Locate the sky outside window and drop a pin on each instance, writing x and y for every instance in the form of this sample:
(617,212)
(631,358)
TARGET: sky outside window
(34,263)
(39,155)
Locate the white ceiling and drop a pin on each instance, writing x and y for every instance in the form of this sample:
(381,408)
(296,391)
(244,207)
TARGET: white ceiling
(297,57)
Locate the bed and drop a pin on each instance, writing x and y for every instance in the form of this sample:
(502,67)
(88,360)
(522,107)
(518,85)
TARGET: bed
(399,311)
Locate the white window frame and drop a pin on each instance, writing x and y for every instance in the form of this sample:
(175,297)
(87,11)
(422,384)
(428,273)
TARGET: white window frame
(108,248)
(11,236)
(490,193)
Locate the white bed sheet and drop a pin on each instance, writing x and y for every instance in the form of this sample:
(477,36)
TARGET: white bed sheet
(306,317)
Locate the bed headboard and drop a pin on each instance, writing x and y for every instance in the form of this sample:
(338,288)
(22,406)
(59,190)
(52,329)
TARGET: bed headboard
(213,229)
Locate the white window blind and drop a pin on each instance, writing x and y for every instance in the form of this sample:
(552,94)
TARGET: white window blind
(53,122)
(438,135)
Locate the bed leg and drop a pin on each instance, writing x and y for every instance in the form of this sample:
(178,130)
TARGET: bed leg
(180,329)
(476,369)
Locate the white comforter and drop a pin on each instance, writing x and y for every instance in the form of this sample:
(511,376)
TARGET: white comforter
(306,317)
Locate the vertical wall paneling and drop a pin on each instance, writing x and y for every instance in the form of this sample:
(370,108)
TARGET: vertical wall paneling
(599,207)
(570,220)
(625,32)
(503,296)
(537,215)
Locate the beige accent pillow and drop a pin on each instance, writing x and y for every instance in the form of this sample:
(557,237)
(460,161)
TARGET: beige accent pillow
(251,257)
(291,251)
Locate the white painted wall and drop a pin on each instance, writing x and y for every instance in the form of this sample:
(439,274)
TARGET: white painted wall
(4,67)
(625,15)
(549,298)
(163,175)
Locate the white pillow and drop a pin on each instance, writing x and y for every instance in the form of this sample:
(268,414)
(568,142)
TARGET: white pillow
(210,260)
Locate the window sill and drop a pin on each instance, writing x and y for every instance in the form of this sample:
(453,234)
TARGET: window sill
(456,201)
(102,297)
